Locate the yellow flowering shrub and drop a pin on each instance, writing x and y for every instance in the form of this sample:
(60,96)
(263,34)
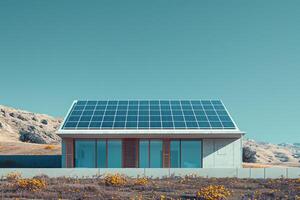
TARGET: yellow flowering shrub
(141,181)
(213,192)
(32,184)
(12,176)
(115,180)
(49,147)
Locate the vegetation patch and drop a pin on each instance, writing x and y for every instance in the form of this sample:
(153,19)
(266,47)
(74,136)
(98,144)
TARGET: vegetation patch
(214,192)
(13,176)
(49,147)
(115,180)
(33,184)
(141,181)
(117,186)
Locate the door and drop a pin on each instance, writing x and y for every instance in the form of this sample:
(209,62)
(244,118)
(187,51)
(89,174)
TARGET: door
(130,153)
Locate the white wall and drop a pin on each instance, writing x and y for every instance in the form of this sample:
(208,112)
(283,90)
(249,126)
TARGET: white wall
(222,153)
(157,172)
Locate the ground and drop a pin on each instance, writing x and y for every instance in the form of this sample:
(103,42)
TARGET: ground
(168,188)
(23,148)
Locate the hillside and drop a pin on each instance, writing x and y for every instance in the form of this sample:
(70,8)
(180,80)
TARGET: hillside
(23,132)
(272,154)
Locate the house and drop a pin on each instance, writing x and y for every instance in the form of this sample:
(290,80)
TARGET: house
(150,134)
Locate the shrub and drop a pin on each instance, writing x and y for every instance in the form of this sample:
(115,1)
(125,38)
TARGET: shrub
(115,180)
(12,176)
(213,192)
(141,181)
(43,121)
(49,147)
(33,184)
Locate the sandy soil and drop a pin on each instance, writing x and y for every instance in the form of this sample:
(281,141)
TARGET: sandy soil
(21,148)
(259,165)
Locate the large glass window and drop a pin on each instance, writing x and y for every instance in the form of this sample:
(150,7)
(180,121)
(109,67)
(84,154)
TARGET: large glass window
(85,153)
(152,159)
(114,153)
(191,153)
(144,154)
(156,154)
(101,153)
(186,153)
(175,154)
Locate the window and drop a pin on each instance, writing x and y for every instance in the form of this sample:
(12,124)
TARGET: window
(114,153)
(156,154)
(175,154)
(85,153)
(186,153)
(191,153)
(144,154)
(152,159)
(101,153)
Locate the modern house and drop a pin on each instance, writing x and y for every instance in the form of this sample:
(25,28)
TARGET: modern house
(150,134)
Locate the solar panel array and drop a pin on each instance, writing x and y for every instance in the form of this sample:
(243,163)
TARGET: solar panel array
(148,114)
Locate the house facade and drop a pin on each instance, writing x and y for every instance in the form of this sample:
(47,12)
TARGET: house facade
(150,134)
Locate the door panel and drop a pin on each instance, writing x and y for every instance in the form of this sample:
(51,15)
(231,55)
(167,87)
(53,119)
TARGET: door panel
(130,153)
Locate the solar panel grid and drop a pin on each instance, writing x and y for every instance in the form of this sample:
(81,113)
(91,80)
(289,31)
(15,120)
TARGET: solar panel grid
(153,114)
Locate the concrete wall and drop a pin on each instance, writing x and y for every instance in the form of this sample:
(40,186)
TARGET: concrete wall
(255,173)
(222,153)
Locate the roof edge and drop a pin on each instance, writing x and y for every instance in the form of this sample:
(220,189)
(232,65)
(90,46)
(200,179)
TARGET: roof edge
(150,131)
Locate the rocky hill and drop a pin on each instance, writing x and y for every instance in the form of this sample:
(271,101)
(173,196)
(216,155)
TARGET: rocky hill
(266,153)
(24,126)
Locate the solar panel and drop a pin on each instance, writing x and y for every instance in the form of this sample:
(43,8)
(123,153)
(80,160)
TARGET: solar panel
(148,114)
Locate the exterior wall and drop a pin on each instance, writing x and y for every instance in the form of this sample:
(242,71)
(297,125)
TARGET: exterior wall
(130,153)
(166,153)
(68,153)
(217,153)
(222,153)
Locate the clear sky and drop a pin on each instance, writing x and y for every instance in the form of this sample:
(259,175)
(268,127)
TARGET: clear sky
(246,53)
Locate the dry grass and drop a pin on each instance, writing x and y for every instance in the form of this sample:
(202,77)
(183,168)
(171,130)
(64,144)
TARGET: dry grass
(256,165)
(13,176)
(116,186)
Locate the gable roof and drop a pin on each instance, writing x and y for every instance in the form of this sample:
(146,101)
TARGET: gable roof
(148,116)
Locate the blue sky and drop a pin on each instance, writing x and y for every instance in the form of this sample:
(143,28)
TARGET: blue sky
(243,52)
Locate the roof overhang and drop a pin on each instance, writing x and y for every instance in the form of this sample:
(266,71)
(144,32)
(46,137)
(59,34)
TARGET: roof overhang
(165,133)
